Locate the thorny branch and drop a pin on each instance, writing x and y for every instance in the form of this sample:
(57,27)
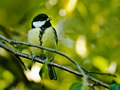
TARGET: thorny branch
(13,42)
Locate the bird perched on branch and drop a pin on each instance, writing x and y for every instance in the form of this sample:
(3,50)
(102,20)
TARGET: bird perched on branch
(42,33)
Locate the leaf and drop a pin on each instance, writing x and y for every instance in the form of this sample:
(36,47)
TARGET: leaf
(43,68)
(115,87)
(76,86)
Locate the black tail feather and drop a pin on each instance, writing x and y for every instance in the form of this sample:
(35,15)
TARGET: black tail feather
(51,72)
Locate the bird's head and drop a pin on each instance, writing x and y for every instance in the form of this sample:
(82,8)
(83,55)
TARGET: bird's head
(41,21)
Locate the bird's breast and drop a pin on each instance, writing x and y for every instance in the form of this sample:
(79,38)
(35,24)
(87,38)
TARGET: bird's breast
(48,40)
(33,37)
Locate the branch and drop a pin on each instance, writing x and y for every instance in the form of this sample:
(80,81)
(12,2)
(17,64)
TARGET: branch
(50,63)
(13,42)
(3,45)
(108,74)
(37,59)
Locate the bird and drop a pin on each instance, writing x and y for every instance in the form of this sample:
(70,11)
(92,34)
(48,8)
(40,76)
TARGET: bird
(43,34)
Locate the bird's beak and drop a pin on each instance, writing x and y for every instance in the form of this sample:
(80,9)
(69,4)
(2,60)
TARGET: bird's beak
(49,18)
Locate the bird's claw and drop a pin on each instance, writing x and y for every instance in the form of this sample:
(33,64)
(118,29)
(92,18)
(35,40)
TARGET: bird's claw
(2,42)
(45,60)
(12,43)
(32,57)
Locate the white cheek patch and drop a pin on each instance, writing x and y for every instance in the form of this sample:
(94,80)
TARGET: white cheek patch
(38,23)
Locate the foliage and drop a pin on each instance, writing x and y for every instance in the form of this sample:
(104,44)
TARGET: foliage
(115,87)
(88,31)
(76,86)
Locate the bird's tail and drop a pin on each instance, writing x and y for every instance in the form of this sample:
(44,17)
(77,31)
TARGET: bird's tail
(51,72)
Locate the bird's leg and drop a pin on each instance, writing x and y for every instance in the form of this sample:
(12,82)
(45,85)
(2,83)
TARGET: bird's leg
(33,56)
(13,44)
(45,60)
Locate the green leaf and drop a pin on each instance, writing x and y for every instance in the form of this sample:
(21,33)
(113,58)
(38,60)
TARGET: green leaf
(43,68)
(76,86)
(42,71)
(115,87)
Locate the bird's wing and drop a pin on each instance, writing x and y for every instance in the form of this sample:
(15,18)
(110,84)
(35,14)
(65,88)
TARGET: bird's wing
(56,37)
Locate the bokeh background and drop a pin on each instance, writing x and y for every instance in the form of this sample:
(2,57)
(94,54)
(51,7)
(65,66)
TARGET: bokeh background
(88,32)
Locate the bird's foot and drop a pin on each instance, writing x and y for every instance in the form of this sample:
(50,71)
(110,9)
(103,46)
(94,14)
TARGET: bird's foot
(33,57)
(45,60)
(12,42)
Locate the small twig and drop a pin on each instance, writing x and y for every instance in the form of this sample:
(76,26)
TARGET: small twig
(98,82)
(108,74)
(51,63)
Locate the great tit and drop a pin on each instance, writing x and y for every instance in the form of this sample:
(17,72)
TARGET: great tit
(42,33)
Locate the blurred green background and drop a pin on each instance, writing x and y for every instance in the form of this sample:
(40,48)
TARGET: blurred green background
(88,32)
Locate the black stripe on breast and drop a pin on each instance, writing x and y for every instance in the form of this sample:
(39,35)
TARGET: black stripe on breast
(56,38)
(41,34)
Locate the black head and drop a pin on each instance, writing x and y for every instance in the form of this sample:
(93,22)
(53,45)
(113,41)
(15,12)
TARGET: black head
(40,17)
(41,21)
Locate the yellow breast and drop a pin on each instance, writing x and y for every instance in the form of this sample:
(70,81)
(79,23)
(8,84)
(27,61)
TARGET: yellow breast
(48,40)
(33,37)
